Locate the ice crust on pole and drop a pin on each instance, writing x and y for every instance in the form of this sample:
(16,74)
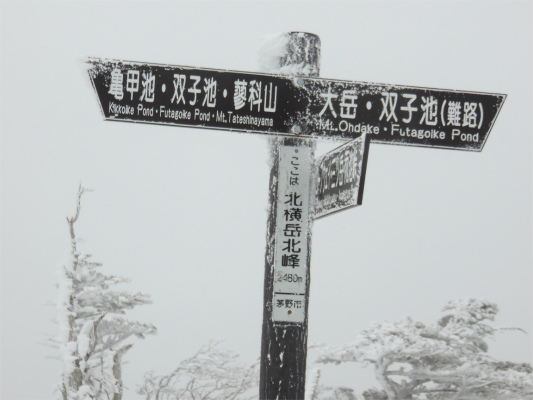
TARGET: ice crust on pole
(284,340)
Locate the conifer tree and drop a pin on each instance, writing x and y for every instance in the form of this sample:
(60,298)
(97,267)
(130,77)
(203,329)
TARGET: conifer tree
(446,360)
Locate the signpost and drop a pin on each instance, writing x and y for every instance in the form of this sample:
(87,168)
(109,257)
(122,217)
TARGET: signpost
(295,110)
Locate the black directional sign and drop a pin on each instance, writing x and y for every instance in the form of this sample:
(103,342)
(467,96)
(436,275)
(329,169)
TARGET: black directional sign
(293,106)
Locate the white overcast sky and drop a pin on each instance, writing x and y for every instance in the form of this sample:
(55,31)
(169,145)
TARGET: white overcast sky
(182,211)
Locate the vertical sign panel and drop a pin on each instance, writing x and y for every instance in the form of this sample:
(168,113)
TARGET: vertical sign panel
(291,252)
(340,177)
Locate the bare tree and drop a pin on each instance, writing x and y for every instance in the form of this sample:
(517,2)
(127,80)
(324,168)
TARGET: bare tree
(211,374)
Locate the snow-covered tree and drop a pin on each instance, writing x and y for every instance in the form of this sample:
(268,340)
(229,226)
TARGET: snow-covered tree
(211,374)
(446,360)
(316,390)
(94,335)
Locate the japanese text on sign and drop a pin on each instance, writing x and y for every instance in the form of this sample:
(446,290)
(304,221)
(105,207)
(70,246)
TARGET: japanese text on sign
(290,266)
(340,177)
(400,114)
(183,96)
(302,106)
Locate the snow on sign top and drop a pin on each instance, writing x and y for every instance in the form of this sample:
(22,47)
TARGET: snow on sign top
(293,106)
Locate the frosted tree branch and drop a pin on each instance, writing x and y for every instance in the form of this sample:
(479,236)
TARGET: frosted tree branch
(94,334)
(447,359)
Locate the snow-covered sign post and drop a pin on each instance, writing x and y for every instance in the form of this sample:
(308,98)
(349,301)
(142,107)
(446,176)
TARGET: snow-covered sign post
(295,107)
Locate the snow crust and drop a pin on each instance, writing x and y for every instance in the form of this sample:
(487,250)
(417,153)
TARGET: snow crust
(84,339)
(271,50)
(279,55)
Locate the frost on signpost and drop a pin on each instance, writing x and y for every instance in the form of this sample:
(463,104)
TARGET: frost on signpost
(94,335)
(287,260)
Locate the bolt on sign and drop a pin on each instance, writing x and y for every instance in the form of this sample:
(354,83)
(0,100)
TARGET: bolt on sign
(293,106)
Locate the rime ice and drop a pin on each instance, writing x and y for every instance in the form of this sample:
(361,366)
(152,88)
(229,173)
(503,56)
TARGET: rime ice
(93,334)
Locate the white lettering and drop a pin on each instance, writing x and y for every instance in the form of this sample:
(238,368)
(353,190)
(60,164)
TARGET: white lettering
(145,112)
(345,126)
(201,116)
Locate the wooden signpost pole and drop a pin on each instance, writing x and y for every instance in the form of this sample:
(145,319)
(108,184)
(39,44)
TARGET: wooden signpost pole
(288,252)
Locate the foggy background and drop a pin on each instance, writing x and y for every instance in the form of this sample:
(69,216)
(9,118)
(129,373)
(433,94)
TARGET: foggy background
(182,211)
